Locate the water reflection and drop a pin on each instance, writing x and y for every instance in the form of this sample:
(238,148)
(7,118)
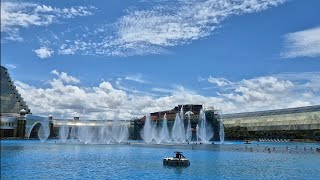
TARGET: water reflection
(176,170)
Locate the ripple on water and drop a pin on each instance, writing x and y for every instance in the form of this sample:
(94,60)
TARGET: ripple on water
(34,160)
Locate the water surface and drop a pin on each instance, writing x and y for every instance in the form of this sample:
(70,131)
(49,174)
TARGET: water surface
(36,160)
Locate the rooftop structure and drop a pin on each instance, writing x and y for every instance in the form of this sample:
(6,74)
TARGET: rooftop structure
(171,114)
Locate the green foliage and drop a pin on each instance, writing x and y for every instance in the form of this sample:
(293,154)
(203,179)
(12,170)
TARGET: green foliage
(240,133)
(317,133)
(236,133)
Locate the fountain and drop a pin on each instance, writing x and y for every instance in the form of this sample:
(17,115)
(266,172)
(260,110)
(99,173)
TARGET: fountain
(146,132)
(44,130)
(189,131)
(205,131)
(120,132)
(164,133)
(117,131)
(73,132)
(197,129)
(179,134)
(63,131)
(221,131)
(104,133)
(84,132)
(155,133)
(178,131)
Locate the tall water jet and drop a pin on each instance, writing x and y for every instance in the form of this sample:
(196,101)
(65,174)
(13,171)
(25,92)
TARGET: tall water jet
(183,134)
(80,133)
(164,133)
(107,133)
(205,130)
(178,131)
(73,130)
(197,129)
(44,130)
(146,132)
(221,131)
(189,130)
(119,131)
(124,132)
(103,135)
(63,131)
(182,115)
(156,133)
(84,133)
(115,130)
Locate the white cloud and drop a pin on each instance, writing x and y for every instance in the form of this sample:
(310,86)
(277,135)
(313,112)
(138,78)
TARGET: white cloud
(64,77)
(69,51)
(131,89)
(44,52)
(137,78)
(260,90)
(219,81)
(272,92)
(162,90)
(307,80)
(12,66)
(304,43)
(65,98)
(185,21)
(104,100)
(152,30)
(17,15)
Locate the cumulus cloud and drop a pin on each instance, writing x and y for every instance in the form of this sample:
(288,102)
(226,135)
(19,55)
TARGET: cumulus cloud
(17,15)
(152,30)
(64,77)
(304,43)
(44,52)
(262,89)
(66,96)
(103,100)
(272,92)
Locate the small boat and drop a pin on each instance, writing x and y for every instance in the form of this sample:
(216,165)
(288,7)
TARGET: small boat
(247,142)
(178,160)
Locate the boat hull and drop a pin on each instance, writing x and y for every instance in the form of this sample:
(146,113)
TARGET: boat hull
(183,162)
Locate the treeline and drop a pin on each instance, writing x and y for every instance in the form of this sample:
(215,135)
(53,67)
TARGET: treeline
(241,133)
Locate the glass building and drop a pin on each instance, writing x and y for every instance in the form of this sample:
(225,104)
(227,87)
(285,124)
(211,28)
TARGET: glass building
(300,118)
(11,105)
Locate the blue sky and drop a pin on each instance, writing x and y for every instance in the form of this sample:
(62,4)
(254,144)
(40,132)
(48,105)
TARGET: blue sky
(111,59)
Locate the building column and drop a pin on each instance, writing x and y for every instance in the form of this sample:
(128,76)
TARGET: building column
(21,125)
(50,118)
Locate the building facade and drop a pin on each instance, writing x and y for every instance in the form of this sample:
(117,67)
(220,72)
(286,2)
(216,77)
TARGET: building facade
(11,105)
(11,100)
(292,119)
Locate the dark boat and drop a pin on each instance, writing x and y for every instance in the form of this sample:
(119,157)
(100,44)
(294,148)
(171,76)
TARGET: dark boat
(178,160)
